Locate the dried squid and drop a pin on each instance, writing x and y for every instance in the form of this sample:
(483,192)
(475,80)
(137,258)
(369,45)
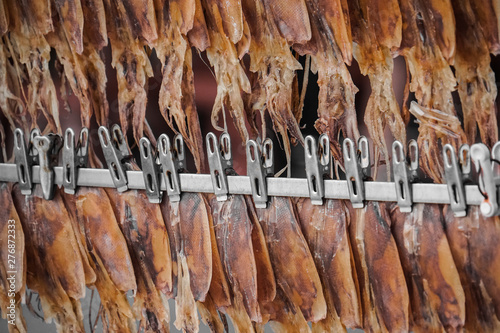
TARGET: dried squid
(291,259)
(376,29)
(54,264)
(108,255)
(233,231)
(13,262)
(175,19)
(223,56)
(84,70)
(385,305)
(428,44)
(436,295)
(134,22)
(488,16)
(336,111)
(188,226)
(30,21)
(274,66)
(11,104)
(325,229)
(474,243)
(144,230)
(476,80)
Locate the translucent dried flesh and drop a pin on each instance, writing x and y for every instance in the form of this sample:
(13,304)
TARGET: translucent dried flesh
(291,18)
(130,60)
(385,301)
(336,110)
(188,226)
(436,295)
(375,33)
(11,104)
(94,29)
(109,257)
(487,15)
(229,74)
(476,80)
(433,83)
(474,244)
(325,229)
(32,53)
(177,99)
(233,231)
(274,66)
(292,261)
(11,233)
(54,264)
(144,230)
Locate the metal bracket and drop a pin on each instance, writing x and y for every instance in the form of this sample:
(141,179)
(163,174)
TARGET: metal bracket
(353,174)
(454,181)
(150,171)
(23,162)
(172,161)
(401,179)
(74,158)
(259,165)
(48,147)
(317,167)
(220,163)
(116,154)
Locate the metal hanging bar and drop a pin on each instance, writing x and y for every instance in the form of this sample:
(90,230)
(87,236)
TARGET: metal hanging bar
(290,187)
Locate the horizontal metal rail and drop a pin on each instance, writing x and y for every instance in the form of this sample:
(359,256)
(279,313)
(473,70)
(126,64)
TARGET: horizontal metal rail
(289,187)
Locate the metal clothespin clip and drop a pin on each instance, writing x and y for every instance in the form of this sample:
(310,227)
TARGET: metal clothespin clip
(464,157)
(150,171)
(353,174)
(116,155)
(259,166)
(24,162)
(48,147)
(318,166)
(172,161)
(74,158)
(220,163)
(487,180)
(454,181)
(364,157)
(413,157)
(401,178)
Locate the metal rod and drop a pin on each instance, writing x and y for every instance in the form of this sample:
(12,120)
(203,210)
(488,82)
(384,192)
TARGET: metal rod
(290,187)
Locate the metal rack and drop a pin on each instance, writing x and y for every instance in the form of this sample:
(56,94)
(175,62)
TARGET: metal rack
(163,171)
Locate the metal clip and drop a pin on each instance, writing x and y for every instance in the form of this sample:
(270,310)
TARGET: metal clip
(219,161)
(353,174)
(116,154)
(464,156)
(172,161)
(413,157)
(481,157)
(150,171)
(401,179)
(364,157)
(454,181)
(74,158)
(268,156)
(317,167)
(23,162)
(256,173)
(48,147)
